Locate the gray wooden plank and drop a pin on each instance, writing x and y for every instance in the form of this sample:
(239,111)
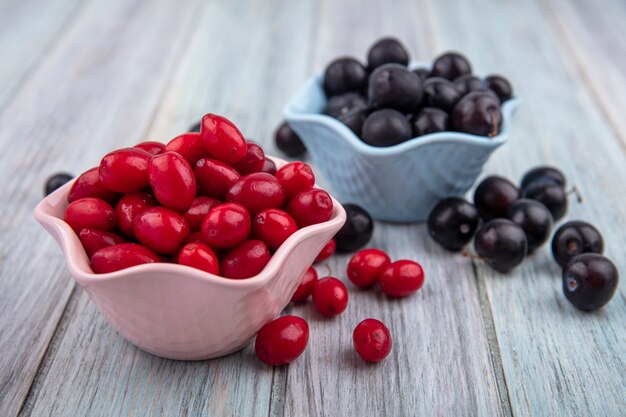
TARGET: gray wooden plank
(441,361)
(245,75)
(91,93)
(557,360)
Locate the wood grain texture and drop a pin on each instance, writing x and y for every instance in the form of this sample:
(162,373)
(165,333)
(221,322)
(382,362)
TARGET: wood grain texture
(91,93)
(557,360)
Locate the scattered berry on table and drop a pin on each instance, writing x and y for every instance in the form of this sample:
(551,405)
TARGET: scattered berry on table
(372,340)
(356,231)
(330,296)
(589,281)
(574,238)
(401,278)
(366,266)
(281,341)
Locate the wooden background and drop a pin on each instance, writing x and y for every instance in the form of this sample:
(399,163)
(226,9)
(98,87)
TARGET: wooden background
(80,77)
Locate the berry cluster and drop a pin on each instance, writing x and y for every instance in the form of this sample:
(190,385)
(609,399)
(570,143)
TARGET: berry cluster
(209,200)
(516,221)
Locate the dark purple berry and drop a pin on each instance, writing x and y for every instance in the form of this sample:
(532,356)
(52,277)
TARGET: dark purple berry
(502,244)
(574,238)
(387,51)
(423,73)
(543,174)
(393,86)
(344,75)
(440,93)
(590,281)
(429,120)
(195,128)
(55,182)
(354,119)
(386,127)
(356,231)
(345,103)
(553,196)
(451,65)
(493,196)
(478,113)
(500,85)
(534,218)
(288,142)
(467,83)
(452,223)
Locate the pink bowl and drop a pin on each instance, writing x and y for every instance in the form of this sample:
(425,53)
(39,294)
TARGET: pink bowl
(179,312)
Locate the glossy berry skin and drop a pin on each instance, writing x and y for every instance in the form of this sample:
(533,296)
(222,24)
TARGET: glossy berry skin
(574,238)
(256,192)
(253,160)
(357,231)
(493,196)
(386,51)
(372,340)
(152,147)
(88,185)
(534,218)
(366,266)
(198,210)
(269,167)
(90,213)
(273,226)
(161,229)
(502,244)
(543,175)
(401,278)
(499,85)
(478,113)
(226,225)
(451,65)
(129,207)
(354,120)
(553,196)
(215,178)
(327,251)
(172,180)
(467,83)
(282,341)
(452,223)
(440,93)
(125,170)
(589,281)
(386,127)
(306,286)
(330,296)
(288,141)
(93,240)
(56,181)
(200,256)
(121,256)
(189,146)
(310,207)
(222,140)
(430,120)
(345,103)
(245,260)
(295,177)
(344,75)
(394,86)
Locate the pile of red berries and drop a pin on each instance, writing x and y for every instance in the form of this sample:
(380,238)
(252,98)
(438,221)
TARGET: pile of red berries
(209,200)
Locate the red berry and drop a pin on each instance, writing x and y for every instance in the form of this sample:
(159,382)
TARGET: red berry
(116,257)
(330,296)
(226,225)
(125,170)
(222,140)
(327,251)
(257,192)
(245,260)
(194,237)
(189,146)
(198,210)
(90,213)
(215,178)
(161,229)
(306,286)
(153,148)
(94,240)
(281,341)
(200,256)
(88,185)
(273,226)
(366,266)
(252,162)
(372,340)
(401,278)
(311,207)
(129,207)
(295,177)
(269,167)
(172,180)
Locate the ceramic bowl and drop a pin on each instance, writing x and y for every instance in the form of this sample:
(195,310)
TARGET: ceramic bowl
(179,312)
(399,183)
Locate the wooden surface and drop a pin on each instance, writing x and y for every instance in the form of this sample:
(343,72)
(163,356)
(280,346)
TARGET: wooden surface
(80,77)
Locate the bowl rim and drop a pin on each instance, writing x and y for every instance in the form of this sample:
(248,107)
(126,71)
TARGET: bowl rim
(292,113)
(72,247)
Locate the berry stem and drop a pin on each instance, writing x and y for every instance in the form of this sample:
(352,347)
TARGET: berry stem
(574,190)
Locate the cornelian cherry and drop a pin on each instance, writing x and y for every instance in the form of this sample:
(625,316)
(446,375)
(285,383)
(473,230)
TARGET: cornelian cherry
(161,229)
(281,341)
(88,184)
(401,278)
(253,160)
(122,256)
(93,240)
(125,170)
(222,140)
(226,225)
(327,251)
(372,340)
(306,286)
(245,260)
(215,178)
(172,180)
(90,213)
(295,177)
(366,266)
(198,210)
(269,167)
(257,192)
(129,206)
(189,146)
(310,207)
(200,256)
(153,148)
(330,296)
(273,226)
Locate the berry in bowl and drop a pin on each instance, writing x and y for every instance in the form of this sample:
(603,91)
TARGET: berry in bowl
(189,263)
(396,137)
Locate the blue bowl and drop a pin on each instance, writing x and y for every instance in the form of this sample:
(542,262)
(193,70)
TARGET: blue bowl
(399,183)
